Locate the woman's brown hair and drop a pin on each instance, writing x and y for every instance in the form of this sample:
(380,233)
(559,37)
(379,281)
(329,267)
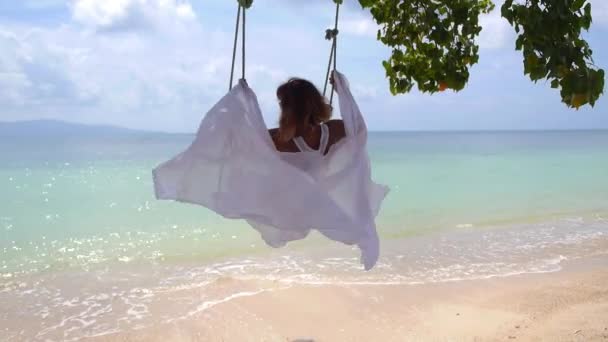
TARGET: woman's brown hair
(302,105)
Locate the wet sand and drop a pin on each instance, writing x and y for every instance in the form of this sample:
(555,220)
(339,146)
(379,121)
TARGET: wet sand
(569,305)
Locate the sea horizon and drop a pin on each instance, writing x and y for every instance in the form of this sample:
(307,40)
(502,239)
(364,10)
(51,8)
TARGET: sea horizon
(76,124)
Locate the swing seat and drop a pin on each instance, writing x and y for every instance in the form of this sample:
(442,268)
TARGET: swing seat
(234,169)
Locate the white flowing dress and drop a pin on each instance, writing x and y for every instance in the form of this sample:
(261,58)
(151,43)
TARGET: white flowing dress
(234,169)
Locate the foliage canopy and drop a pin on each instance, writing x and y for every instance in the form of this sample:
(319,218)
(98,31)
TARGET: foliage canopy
(434,45)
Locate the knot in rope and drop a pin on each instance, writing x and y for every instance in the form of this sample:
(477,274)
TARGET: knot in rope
(245,3)
(331,34)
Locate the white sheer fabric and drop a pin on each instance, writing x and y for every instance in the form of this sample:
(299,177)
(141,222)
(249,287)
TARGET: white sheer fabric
(233,168)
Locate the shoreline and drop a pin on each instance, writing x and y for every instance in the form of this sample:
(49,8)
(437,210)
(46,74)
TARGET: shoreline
(567,305)
(291,294)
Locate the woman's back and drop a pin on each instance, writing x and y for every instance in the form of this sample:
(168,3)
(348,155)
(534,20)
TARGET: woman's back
(314,139)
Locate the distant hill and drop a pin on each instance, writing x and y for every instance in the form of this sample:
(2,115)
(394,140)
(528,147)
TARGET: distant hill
(55,128)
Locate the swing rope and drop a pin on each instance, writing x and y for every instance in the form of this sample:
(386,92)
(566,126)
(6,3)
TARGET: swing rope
(332,35)
(236,37)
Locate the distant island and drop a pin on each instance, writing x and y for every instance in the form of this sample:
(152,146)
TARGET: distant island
(57,128)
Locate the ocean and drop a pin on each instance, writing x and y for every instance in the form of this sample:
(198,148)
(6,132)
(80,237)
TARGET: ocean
(86,250)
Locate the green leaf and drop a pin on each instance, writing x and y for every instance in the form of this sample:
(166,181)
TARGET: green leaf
(434,43)
(431,41)
(549,36)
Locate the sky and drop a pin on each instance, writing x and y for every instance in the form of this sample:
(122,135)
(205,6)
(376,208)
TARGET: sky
(161,64)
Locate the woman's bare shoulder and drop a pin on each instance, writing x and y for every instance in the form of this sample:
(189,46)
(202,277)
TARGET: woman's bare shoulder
(336,128)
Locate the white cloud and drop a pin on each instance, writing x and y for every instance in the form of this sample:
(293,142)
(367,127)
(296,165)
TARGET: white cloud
(496,32)
(599,10)
(70,74)
(128,14)
(263,71)
(365,92)
(14,82)
(359,27)
(12,86)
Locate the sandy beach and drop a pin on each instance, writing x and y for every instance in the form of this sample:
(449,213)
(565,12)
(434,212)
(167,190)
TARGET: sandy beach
(569,305)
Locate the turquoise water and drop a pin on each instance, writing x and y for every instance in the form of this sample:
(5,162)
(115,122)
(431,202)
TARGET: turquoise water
(82,201)
(86,250)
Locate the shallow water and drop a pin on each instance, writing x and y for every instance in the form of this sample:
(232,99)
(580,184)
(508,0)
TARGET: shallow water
(86,250)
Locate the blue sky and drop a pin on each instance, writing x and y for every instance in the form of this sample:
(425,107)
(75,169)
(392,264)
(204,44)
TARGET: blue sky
(161,64)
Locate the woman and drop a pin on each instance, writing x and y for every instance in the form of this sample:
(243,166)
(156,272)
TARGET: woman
(304,124)
(319,179)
